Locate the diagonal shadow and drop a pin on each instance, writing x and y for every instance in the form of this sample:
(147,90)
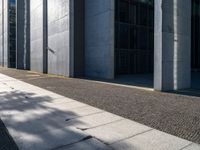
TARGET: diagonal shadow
(37,121)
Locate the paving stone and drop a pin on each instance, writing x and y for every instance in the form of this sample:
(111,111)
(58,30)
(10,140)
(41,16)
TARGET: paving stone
(51,139)
(116,131)
(192,147)
(65,106)
(33,127)
(17,127)
(152,140)
(90,144)
(95,120)
(26,114)
(40,123)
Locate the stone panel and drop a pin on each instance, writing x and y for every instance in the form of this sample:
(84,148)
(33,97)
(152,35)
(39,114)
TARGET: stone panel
(99,38)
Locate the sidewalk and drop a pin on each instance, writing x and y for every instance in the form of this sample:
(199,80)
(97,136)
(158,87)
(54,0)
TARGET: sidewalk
(40,119)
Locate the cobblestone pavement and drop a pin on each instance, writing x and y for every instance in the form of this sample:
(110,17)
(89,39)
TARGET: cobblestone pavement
(176,114)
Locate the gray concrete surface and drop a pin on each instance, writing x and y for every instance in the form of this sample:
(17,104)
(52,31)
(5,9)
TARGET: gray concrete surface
(59,54)
(99,38)
(4,33)
(172,65)
(153,140)
(43,123)
(38,37)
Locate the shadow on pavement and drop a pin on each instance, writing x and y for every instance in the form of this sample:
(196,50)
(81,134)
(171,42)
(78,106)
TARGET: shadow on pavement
(40,122)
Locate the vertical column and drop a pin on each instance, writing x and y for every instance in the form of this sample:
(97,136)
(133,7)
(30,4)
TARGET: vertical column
(172,68)
(1,32)
(23,34)
(59,51)
(99,38)
(5,34)
(38,39)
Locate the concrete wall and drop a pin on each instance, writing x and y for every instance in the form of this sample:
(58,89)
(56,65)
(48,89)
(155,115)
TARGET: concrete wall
(172,44)
(23,34)
(4,33)
(99,38)
(1,32)
(58,37)
(38,35)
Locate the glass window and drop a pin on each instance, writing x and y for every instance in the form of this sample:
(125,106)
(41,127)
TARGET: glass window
(12,34)
(134,36)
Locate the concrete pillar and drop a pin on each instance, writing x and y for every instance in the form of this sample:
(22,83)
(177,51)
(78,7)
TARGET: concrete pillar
(99,38)
(1,32)
(59,60)
(4,33)
(38,39)
(23,34)
(172,68)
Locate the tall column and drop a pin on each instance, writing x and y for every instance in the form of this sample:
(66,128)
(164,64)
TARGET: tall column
(23,34)
(172,44)
(38,38)
(99,38)
(1,31)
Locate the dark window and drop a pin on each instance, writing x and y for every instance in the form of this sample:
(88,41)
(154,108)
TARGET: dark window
(195,35)
(134,44)
(12,34)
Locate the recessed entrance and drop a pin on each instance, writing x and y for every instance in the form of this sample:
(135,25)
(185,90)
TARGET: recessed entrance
(134,37)
(195,55)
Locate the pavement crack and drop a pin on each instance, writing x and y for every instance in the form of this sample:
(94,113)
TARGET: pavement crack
(131,136)
(67,145)
(82,129)
(186,146)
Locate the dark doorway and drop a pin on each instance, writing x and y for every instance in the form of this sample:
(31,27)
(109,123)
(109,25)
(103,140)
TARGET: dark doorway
(195,55)
(196,35)
(134,36)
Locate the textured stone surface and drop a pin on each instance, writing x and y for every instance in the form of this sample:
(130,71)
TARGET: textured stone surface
(175,113)
(152,140)
(38,35)
(94,120)
(58,37)
(117,131)
(99,38)
(192,147)
(50,139)
(46,124)
(91,144)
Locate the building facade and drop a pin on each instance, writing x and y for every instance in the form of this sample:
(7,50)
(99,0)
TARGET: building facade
(105,38)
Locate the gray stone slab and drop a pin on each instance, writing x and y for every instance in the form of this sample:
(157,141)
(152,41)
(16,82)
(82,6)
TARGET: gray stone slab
(95,120)
(51,139)
(117,131)
(65,106)
(152,140)
(91,144)
(192,147)
(77,112)
(19,124)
